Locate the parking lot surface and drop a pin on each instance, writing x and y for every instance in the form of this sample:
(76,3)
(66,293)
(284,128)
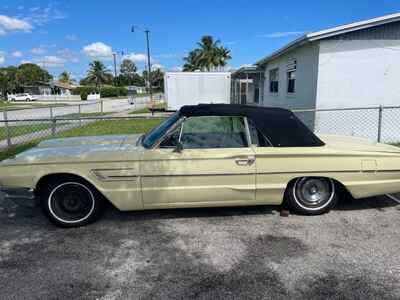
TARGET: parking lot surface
(220,253)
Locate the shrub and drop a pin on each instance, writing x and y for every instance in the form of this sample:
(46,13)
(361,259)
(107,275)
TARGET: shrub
(84,91)
(84,95)
(106,92)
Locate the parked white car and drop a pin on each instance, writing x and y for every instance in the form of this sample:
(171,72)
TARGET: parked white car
(22,97)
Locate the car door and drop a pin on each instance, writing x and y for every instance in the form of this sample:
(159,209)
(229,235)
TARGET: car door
(215,167)
(274,167)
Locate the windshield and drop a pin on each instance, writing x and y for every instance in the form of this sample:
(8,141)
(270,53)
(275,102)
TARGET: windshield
(157,132)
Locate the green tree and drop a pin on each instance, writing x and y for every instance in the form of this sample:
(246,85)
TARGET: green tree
(65,77)
(157,78)
(31,74)
(208,56)
(192,61)
(8,81)
(97,74)
(128,75)
(128,68)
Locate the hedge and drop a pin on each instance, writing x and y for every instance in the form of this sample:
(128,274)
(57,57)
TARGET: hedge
(105,92)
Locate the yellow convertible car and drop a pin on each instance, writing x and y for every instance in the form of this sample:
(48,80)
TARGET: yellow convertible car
(201,156)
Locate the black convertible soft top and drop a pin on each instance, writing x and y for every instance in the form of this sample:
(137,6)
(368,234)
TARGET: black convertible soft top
(279,125)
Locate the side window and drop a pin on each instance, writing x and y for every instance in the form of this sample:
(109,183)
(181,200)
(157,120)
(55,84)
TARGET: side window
(214,132)
(257,138)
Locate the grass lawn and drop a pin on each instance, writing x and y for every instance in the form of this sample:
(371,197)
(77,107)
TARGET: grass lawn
(106,127)
(146,110)
(23,129)
(103,127)
(82,115)
(9,152)
(9,106)
(5,105)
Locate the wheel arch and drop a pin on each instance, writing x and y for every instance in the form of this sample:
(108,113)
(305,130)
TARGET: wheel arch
(41,183)
(341,188)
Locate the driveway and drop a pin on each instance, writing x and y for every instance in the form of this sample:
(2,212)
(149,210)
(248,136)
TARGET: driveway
(221,253)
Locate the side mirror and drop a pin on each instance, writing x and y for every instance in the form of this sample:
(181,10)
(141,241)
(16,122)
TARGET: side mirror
(178,148)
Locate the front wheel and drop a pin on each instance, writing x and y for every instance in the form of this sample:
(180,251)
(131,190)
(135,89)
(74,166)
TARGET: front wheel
(71,203)
(312,195)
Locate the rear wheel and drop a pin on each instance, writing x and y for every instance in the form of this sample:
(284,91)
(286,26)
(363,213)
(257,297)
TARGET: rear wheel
(71,202)
(311,195)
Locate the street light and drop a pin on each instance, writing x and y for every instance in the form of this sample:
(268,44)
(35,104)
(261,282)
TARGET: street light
(115,68)
(146,31)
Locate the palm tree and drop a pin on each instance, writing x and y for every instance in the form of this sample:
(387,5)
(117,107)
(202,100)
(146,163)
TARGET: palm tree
(98,73)
(208,56)
(192,61)
(65,77)
(223,56)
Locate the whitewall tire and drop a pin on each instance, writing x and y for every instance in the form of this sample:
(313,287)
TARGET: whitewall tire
(71,202)
(311,195)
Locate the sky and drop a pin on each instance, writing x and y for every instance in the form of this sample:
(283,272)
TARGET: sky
(67,35)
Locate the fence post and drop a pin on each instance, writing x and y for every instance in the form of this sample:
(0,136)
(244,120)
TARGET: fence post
(380,115)
(53,122)
(102,107)
(8,134)
(53,126)
(79,113)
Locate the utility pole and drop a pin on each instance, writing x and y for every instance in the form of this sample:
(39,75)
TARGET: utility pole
(115,68)
(146,31)
(149,66)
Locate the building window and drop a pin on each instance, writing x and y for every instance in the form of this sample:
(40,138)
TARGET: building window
(291,76)
(274,80)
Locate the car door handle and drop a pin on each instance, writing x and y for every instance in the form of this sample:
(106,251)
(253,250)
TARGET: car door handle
(245,161)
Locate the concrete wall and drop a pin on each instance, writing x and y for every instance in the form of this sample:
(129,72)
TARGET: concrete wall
(306,81)
(358,73)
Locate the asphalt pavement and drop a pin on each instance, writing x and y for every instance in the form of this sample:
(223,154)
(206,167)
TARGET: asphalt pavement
(220,253)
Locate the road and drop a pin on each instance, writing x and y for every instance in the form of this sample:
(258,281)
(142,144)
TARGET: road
(109,106)
(220,253)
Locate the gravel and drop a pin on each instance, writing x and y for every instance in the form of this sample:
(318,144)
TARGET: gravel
(220,253)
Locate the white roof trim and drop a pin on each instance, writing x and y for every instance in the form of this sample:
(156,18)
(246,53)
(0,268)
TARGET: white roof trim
(318,35)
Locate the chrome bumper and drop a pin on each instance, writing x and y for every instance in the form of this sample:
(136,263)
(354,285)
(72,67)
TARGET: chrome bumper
(17,192)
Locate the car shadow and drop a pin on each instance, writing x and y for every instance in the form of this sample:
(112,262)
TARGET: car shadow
(186,213)
(25,209)
(378,203)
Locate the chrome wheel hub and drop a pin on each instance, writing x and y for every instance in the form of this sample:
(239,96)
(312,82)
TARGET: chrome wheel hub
(313,192)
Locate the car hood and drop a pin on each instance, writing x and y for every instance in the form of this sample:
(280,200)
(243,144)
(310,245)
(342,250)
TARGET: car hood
(88,148)
(350,143)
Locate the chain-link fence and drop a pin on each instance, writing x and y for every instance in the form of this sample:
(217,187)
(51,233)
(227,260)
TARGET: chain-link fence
(17,132)
(376,123)
(380,124)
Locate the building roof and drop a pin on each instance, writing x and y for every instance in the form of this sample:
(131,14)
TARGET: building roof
(280,126)
(246,69)
(331,32)
(64,85)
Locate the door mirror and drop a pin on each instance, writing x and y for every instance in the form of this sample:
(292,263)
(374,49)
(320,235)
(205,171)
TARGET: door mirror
(178,147)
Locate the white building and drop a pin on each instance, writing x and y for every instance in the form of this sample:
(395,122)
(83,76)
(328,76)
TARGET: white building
(354,65)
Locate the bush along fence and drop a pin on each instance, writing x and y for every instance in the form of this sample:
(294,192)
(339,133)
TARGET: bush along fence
(105,92)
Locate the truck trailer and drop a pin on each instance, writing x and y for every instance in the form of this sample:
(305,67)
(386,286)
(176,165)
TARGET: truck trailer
(190,88)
